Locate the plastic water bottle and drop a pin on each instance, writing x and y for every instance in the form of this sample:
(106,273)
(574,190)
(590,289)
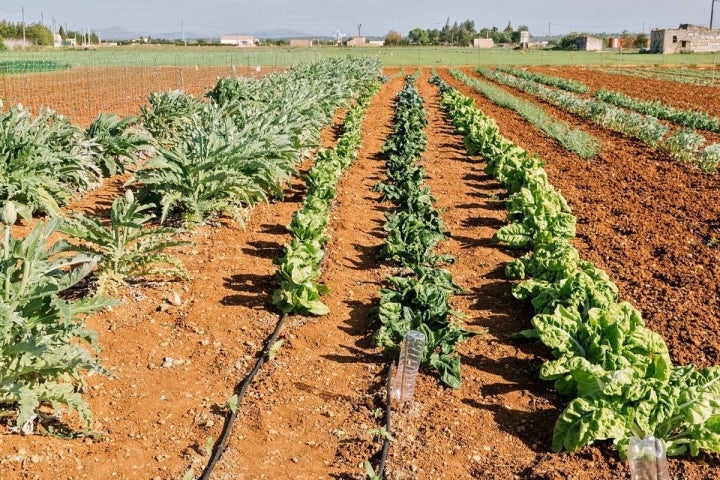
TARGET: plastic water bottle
(411,351)
(647,459)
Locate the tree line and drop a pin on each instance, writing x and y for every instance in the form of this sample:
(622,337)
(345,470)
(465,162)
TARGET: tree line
(456,34)
(39,34)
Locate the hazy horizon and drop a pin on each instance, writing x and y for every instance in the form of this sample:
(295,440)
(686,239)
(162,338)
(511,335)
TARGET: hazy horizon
(213,18)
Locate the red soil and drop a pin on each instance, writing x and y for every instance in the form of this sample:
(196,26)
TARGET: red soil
(643,218)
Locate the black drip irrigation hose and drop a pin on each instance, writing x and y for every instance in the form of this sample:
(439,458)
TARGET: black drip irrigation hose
(388,410)
(240,389)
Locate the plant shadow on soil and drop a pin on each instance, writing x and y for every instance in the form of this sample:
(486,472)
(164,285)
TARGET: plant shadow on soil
(368,255)
(263,249)
(273,229)
(532,426)
(256,291)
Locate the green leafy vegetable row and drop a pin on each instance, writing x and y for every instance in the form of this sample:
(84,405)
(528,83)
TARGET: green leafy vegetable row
(573,140)
(31,66)
(617,373)
(706,78)
(419,299)
(646,128)
(299,268)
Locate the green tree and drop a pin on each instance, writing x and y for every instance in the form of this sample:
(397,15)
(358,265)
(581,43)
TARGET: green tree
(569,41)
(393,39)
(641,41)
(508,33)
(434,36)
(38,34)
(419,36)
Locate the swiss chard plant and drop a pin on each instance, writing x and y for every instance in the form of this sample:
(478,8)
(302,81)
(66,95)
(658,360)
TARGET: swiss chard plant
(616,373)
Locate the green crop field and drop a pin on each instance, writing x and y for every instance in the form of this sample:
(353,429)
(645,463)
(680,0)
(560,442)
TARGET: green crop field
(153,55)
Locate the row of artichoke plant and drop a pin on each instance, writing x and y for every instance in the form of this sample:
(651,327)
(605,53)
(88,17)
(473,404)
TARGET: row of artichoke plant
(203,159)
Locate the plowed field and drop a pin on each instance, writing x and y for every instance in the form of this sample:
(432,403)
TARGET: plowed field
(651,223)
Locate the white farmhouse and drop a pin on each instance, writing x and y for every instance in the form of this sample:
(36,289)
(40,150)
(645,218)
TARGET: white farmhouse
(239,40)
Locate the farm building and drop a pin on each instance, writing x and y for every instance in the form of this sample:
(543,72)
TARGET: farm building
(300,43)
(483,43)
(590,44)
(356,42)
(239,40)
(686,38)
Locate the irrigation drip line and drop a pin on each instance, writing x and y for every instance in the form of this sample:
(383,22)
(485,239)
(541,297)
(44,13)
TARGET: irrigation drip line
(240,389)
(388,411)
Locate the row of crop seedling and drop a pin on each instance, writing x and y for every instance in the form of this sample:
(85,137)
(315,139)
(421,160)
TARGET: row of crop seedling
(418,298)
(205,159)
(574,140)
(683,144)
(298,270)
(679,116)
(557,82)
(705,78)
(615,372)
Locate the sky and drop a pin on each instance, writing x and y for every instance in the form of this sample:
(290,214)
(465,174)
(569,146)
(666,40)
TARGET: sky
(211,18)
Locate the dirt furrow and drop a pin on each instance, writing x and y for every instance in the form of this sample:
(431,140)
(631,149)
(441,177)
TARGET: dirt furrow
(311,411)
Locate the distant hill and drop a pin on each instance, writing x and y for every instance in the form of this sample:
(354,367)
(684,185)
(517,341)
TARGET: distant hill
(116,33)
(283,33)
(119,33)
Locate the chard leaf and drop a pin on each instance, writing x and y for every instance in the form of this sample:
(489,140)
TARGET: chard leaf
(515,235)
(586,420)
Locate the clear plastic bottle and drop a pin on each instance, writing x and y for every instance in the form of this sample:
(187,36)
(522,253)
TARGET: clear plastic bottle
(647,459)
(411,351)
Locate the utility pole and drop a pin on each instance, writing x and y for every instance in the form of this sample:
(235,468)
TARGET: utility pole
(548,29)
(359,25)
(182,30)
(23,24)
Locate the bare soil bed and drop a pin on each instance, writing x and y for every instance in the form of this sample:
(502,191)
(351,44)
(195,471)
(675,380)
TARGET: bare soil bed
(643,218)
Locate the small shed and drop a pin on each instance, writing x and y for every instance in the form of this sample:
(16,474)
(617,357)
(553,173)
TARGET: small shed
(356,42)
(589,44)
(483,43)
(524,39)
